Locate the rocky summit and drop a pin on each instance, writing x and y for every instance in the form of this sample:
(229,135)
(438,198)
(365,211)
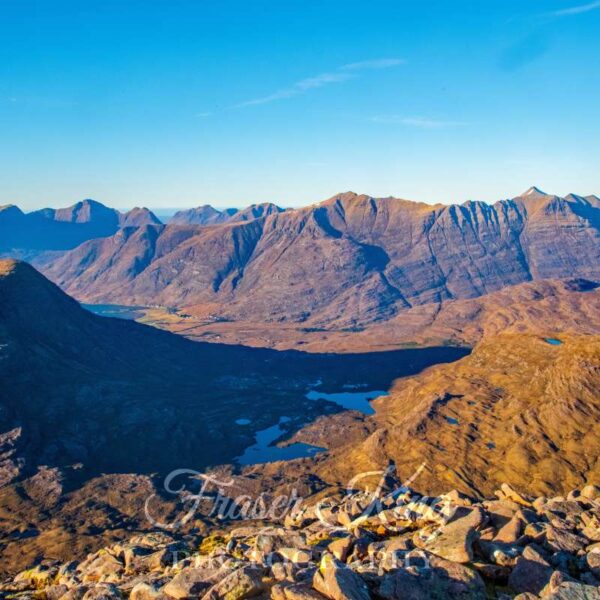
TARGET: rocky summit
(388,544)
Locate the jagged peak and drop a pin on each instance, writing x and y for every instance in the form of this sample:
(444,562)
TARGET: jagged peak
(90,202)
(533,191)
(353,197)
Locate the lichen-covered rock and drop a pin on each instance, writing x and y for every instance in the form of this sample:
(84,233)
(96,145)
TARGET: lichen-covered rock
(338,582)
(454,541)
(244,582)
(191,582)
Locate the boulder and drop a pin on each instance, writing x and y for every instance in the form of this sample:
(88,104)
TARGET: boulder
(75,593)
(506,491)
(105,591)
(556,580)
(146,591)
(591,492)
(531,573)
(592,560)
(295,555)
(103,568)
(592,527)
(341,548)
(139,559)
(244,582)
(283,571)
(191,582)
(572,590)
(434,579)
(562,539)
(54,592)
(454,541)
(338,582)
(510,532)
(301,591)
(37,577)
(494,573)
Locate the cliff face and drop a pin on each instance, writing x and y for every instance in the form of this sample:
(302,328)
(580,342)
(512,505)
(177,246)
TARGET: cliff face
(356,257)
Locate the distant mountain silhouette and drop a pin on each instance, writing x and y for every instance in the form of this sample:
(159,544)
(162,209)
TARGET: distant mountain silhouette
(207,215)
(64,228)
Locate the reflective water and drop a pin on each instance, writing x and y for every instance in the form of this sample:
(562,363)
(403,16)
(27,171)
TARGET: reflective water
(117,311)
(360,401)
(262,451)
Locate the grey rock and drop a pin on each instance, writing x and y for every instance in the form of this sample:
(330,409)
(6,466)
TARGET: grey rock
(244,582)
(561,539)
(338,582)
(191,582)
(574,591)
(435,579)
(531,573)
(103,592)
(454,541)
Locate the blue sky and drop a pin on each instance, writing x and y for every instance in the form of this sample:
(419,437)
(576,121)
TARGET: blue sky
(228,102)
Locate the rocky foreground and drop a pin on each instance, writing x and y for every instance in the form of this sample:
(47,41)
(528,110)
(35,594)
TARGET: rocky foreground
(354,547)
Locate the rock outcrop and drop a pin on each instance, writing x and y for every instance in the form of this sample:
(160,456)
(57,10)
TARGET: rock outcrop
(393,551)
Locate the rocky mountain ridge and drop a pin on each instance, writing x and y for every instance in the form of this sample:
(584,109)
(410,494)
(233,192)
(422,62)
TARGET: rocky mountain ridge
(351,260)
(208,215)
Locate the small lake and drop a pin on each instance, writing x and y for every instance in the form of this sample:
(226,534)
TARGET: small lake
(553,341)
(350,381)
(360,401)
(116,311)
(263,451)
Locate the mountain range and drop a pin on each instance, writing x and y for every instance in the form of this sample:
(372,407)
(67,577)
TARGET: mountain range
(496,309)
(349,261)
(51,229)
(208,215)
(65,228)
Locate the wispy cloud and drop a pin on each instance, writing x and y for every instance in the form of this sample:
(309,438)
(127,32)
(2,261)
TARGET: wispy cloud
(417,122)
(575,10)
(379,63)
(524,51)
(204,115)
(310,83)
(339,75)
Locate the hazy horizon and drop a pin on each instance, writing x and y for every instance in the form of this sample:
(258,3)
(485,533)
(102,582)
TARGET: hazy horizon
(168,211)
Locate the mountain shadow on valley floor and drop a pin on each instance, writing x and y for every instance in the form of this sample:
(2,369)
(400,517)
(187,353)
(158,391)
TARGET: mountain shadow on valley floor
(116,396)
